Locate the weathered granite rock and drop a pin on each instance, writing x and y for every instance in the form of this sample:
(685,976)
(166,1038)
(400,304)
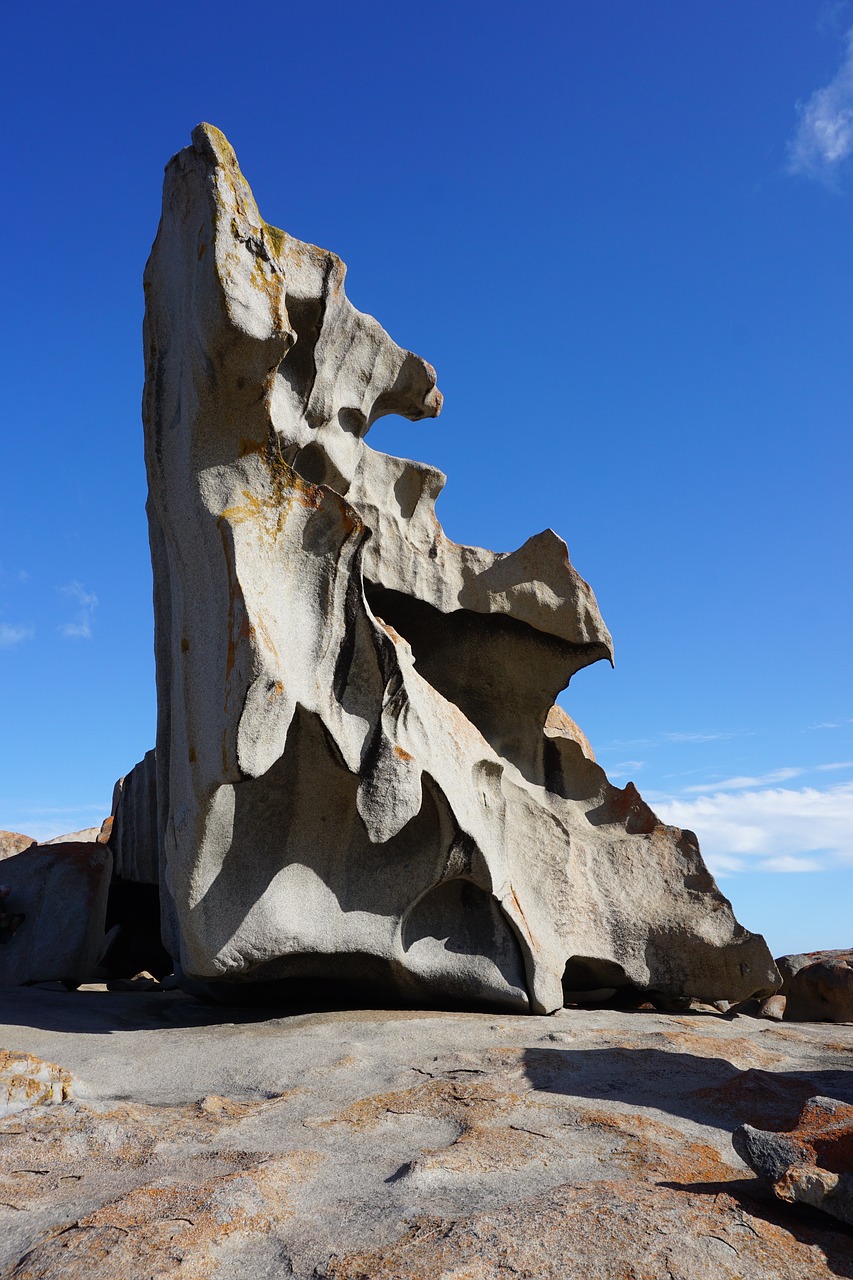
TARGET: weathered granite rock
(86,836)
(810,1164)
(817,986)
(134,836)
(60,892)
(26,1081)
(821,991)
(12,842)
(397,1145)
(791,965)
(354,777)
(773,1007)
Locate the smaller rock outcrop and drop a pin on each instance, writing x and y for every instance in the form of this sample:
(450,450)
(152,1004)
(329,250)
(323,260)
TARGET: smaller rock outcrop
(133,837)
(86,836)
(57,897)
(818,986)
(12,842)
(812,1163)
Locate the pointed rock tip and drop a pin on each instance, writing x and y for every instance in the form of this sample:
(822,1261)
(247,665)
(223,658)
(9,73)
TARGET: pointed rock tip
(212,143)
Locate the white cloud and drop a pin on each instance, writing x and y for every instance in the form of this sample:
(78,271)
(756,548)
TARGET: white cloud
(80,628)
(744,782)
(11,635)
(625,768)
(767,779)
(774,829)
(824,136)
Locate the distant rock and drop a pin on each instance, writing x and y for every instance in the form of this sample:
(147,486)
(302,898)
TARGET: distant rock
(12,842)
(133,836)
(58,896)
(810,1164)
(818,986)
(86,836)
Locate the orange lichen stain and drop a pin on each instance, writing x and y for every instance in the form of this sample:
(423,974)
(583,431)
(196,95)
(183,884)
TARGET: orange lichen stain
(27,1079)
(269,511)
(402,754)
(478,1111)
(260,628)
(276,691)
(656,1150)
(741,1055)
(527,930)
(248,445)
(766,1099)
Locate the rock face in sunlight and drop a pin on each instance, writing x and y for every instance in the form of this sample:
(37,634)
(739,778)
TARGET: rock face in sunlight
(361,776)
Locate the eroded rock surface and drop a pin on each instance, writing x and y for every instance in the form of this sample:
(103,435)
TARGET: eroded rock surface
(134,834)
(360,774)
(186,1141)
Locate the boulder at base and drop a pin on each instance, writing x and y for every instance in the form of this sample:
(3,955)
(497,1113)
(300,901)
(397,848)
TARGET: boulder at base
(61,893)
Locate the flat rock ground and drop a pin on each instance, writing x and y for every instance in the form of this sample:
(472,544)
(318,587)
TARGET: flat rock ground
(172,1138)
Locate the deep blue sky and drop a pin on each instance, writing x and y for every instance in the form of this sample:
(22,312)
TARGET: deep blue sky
(620,231)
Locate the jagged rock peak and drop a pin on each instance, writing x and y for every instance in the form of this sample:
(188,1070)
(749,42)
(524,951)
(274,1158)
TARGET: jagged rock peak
(360,777)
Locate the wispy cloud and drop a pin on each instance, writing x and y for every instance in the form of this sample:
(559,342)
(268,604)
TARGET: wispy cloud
(685,737)
(824,135)
(80,628)
(625,768)
(767,779)
(776,829)
(10,636)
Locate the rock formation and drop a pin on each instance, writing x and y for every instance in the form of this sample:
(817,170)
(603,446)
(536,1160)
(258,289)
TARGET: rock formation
(355,777)
(810,1164)
(818,986)
(53,904)
(133,834)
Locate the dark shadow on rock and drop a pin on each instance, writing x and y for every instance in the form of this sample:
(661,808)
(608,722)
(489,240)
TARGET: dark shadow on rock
(809,1226)
(52,1008)
(706,1090)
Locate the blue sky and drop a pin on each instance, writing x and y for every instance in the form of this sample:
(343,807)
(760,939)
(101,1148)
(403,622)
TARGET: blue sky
(621,233)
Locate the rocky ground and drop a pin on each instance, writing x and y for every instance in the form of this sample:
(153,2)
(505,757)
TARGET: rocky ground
(171,1138)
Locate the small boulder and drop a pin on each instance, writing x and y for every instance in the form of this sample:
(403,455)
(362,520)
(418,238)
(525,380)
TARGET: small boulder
(773,1007)
(57,898)
(811,1164)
